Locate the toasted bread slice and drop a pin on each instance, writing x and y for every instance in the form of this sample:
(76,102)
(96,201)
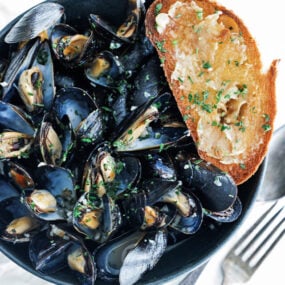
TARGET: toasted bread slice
(213,67)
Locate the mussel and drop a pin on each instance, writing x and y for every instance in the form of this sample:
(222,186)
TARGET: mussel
(17,224)
(96,217)
(129,256)
(54,197)
(216,189)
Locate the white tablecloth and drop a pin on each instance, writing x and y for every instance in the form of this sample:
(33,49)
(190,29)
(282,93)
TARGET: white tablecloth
(266,22)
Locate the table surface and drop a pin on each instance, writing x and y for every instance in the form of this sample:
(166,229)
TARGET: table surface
(266,22)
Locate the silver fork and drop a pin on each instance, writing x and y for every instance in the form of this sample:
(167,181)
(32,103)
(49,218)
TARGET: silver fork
(252,248)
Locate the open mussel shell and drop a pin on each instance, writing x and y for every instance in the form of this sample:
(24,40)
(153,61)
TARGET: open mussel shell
(105,70)
(227,216)
(140,204)
(96,217)
(57,248)
(55,140)
(126,32)
(15,144)
(20,60)
(44,81)
(49,143)
(191,222)
(73,103)
(129,256)
(78,257)
(215,189)
(17,175)
(110,174)
(81,263)
(35,21)
(54,197)
(13,118)
(36,81)
(17,224)
(70,47)
(7,189)
(146,129)
(48,255)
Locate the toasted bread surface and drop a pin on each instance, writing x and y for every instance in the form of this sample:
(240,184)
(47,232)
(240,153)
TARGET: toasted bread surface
(213,67)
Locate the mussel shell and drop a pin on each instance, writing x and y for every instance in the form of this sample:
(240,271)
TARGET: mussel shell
(158,165)
(48,255)
(55,140)
(17,175)
(92,128)
(57,181)
(148,83)
(13,118)
(227,216)
(44,62)
(35,21)
(192,223)
(87,273)
(128,175)
(163,217)
(145,194)
(137,54)
(108,217)
(109,257)
(74,103)
(7,189)
(49,143)
(215,189)
(60,43)
(129,256)
(143,257)
(158,134)
(109,74)
(12,209)
(20,61)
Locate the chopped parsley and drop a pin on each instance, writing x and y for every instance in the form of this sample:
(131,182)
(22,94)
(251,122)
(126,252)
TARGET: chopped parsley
(266,118)
(242,166)
(199,14)
(160,45)
(266,127)
(180,79)
(158,8)
(175,42)
(206,65)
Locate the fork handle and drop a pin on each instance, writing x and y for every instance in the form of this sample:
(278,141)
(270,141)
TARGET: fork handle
(227,279)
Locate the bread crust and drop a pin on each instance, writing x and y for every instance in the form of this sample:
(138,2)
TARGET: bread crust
(257,136)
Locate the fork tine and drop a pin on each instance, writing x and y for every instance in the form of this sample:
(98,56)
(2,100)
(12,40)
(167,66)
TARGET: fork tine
(253,227)
(269,250)
(261,231)
(265,240)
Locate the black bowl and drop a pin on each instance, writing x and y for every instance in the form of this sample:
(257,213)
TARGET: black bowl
(184,256)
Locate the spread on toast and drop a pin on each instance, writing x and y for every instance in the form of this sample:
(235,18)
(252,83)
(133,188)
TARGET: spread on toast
(214,70)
